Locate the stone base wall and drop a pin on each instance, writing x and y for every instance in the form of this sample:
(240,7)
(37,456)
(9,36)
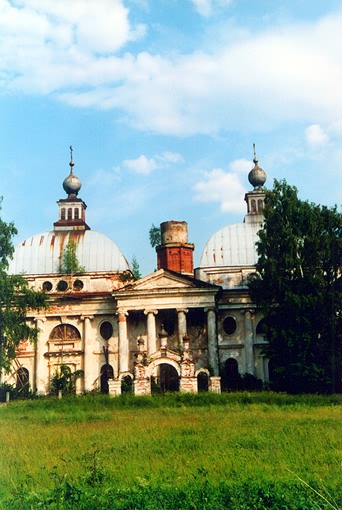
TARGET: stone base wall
(142,387)
(114,387)
(188,384)
(215,384)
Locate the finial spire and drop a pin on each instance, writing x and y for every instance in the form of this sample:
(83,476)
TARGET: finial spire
(255,159)
(71,160)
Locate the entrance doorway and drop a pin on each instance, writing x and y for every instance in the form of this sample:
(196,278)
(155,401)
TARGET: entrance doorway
(107,372)
(166,379)
(202,382)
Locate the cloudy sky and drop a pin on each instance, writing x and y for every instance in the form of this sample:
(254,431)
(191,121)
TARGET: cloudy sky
(162,101)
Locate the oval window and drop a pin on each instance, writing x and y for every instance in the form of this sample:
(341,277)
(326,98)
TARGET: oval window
(47,286)
(106,330)
(229,325)
(78,285)
(62,285)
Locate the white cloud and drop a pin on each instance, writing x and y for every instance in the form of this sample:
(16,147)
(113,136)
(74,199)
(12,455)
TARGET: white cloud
(256,82)
(169,157)
(141,165)
(206,7)
(144,165)
(46,45)
(223,187)
(242,166)
(315,136)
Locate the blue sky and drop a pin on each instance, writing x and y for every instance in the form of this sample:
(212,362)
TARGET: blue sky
(162,101)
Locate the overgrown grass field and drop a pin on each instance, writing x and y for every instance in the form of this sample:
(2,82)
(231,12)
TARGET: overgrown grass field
(237,445)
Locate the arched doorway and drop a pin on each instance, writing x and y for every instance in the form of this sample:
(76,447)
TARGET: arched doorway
(230,378)
(202,381)
(166,380)
(107,372)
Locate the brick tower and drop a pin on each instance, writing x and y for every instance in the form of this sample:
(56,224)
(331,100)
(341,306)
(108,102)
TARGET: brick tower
(174,252)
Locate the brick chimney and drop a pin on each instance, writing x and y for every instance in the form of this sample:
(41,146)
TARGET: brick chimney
(174,252)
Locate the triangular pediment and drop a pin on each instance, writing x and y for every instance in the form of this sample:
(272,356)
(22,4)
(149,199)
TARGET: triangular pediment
(163,279)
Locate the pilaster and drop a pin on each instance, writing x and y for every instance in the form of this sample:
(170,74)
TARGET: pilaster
(249,342)
(88,362)
(212,341)
(123,340)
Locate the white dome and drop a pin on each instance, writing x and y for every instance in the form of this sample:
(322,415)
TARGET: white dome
(42,253)
(233,245)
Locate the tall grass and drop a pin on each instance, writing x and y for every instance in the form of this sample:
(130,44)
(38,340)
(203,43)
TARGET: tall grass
(172,441)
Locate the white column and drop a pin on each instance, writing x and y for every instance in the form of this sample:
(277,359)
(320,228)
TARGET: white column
(88,361)
(212,341)
(123,341)
(151,331)
(249,342)
(182,329)
(40,363)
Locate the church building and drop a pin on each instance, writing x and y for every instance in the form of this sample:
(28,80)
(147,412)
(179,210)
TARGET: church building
(177,329)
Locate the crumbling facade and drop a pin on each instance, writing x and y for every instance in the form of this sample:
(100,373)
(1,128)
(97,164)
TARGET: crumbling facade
(177,329)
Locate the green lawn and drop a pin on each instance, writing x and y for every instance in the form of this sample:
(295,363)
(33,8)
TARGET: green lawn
(173,442)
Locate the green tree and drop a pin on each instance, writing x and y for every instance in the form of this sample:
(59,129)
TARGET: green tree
(299,290)
(155,236)
(135,268)
(70,263)
(64,380)
(16,300)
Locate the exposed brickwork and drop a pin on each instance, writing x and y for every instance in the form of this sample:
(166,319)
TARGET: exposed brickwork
(176,257)
(188,384)
(175,253)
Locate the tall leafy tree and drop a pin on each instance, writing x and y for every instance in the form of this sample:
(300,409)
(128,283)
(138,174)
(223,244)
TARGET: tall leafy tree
(299,290)
(16,299)
(155,236)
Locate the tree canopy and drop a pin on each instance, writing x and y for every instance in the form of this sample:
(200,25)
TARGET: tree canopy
(70,263)
(16,299)
(136,268)
(155,236)
(299,291)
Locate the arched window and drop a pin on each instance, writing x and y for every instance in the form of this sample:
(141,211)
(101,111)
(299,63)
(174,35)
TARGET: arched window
(253,205)
(107,372)
(63,214)
(23,380)
(69,213)
(64,333)
(261,328)
(77,214)
(260,206)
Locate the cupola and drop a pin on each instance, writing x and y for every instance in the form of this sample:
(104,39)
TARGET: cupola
(71,209)
(256,198)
